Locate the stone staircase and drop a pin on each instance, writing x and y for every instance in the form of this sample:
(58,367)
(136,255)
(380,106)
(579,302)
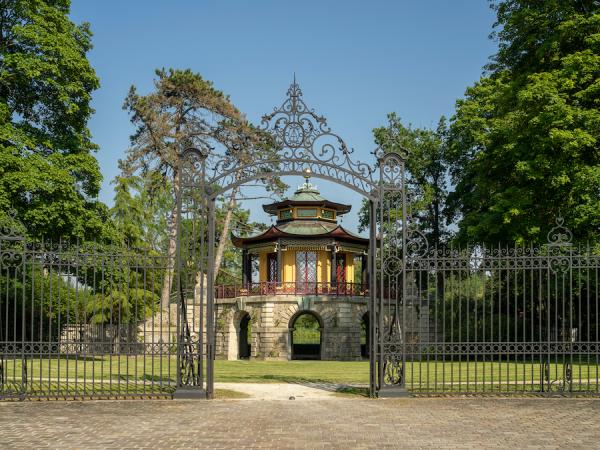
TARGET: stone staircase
(161,328)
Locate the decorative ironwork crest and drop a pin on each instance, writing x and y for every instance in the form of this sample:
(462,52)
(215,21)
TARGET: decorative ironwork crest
(304,143)
(560,246)
(560,235)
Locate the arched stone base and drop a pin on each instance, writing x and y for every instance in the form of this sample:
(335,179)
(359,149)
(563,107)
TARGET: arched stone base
(271,318)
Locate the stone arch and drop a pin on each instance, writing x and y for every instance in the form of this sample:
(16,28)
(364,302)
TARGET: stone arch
(236,316)
(365,322)
(301,312)
(329,314)
(303,350)
(243,339)
(360,311)
(287,313)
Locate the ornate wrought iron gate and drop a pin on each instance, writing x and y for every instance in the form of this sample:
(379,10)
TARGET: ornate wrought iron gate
(89,320)
(444,320)
(518,319)
(305,144)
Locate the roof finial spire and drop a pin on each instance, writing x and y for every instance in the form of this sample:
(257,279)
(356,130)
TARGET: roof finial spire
(307,186)
(307,173)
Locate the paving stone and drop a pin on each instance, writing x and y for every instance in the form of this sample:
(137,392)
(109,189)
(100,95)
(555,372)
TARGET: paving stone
(322,423)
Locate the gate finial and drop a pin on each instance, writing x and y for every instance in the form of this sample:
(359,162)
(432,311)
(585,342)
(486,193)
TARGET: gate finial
(11,229)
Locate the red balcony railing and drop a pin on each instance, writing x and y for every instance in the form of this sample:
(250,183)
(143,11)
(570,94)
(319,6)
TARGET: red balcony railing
(293,288)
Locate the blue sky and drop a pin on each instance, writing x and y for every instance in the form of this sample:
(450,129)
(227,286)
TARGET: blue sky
(355,61)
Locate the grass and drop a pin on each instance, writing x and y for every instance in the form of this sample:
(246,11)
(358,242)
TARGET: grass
(256,371)
(229,393)
(351,391)
(155,375)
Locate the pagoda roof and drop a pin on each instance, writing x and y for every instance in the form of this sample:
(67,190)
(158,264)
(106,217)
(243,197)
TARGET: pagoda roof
(306,195)
(300,229)
(274,207)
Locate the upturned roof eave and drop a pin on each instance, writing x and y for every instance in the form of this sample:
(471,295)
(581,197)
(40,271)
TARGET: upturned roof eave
(274,232)
(339,207)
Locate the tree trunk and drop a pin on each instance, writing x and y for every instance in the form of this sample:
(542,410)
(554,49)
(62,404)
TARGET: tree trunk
(224,234)
(171,249)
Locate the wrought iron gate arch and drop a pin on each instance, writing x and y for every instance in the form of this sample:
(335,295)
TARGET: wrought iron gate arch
(188,340)
(319,170)
(305,143)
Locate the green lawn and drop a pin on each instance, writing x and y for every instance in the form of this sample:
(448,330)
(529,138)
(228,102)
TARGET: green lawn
(256,371)
(424,375)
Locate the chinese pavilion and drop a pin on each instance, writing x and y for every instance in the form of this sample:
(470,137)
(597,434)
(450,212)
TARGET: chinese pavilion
(306,251)
(304,265)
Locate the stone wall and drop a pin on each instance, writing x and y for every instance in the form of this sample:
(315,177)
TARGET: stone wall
(271,320)
(272,317)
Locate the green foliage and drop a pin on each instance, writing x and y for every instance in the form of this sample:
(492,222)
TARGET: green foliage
(141,207)
(463,309)
(48,172)
(524,140)
(230,271)
(45,302)
(86,284)
(427,172)
(183,111)
(122,307)
(502,306)
(306,330)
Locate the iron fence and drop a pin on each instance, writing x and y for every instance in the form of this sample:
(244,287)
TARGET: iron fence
(85,321)
(496,320)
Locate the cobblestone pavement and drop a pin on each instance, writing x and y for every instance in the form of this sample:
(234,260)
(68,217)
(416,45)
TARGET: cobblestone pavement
(324,423)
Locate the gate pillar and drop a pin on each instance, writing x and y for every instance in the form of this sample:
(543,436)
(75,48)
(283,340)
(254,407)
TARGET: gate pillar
(390,269)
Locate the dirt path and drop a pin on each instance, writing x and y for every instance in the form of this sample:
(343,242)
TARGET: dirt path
(282,391)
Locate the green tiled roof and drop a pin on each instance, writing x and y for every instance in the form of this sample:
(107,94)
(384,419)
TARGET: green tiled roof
(307,227)
(301,227)
(307,193)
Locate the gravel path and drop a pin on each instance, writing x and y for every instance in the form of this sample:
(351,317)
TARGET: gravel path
(282,391)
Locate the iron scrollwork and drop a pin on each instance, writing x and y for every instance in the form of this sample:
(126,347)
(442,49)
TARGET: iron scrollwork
(560,247)
(11,228)
(304,142)
(398,241)
(11,253)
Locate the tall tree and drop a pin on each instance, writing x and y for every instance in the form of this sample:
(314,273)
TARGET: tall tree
(230,268)
(48,172)
(245,147)
(141,207)
(427,173)
(524,142)
(184,110)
